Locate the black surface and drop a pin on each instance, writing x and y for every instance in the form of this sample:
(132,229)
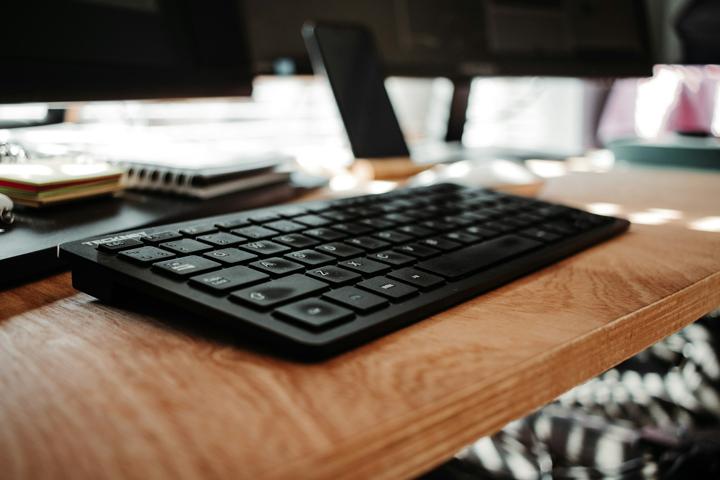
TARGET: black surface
(460,39)
(347,55)
(410,287)
(698,26)
(65,50)
(458,110)
(28,249)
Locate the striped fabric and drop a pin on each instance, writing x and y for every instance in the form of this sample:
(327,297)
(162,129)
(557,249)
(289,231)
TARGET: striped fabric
(651,417)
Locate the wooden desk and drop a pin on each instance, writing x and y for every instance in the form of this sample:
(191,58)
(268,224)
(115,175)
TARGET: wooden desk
(89,391)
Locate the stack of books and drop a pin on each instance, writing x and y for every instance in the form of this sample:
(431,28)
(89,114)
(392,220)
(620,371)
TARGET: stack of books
(46,183)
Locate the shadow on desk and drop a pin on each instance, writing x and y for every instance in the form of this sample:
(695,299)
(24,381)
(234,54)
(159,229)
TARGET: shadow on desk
(176,320)
(33,296)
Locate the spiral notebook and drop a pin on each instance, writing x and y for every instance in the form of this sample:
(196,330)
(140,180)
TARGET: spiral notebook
(200,171)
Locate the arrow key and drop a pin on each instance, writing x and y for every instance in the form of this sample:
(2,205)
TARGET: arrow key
(314,314)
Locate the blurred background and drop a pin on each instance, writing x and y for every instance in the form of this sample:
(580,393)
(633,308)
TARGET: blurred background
(655,415)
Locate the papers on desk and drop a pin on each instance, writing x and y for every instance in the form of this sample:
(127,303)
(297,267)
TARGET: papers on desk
(156,159)
(45,183)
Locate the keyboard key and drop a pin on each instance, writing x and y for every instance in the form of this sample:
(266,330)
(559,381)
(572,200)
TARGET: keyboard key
(145,255)
(417,278)
(320,208)
(415,231)
(255,232)
(550,211)
(438,225)
(276,292)
(198,230)
(458,220)
(389,288)
(324,234)
(499,226)
(376,223)
(440,243)
(334,275)
(352,228)
(263,217)
(542,235)
(233,224)
(422,215)
(461,237)
(398,218)
(359,300)
(119,245)
(515,222)
(490,212)
(405,204)
(160,237)
(364,212)
(368,243)
(289,212)
(388,208)
(475,217)
(561,226)
(277,266)
(393,236)
(186,245)
(364,266)
(529,217)
(416,250)
(221,239)
(314,314)
(590,218)
(392,258)
(478,257)
(296,240)
(285,226)
(340,250)
(338,215)
(312,220)
(264,248)
(481,232)
(230,256)
(185,266)
(228,279)
(311,258)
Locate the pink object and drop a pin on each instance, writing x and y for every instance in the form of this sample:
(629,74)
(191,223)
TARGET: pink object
(677,99)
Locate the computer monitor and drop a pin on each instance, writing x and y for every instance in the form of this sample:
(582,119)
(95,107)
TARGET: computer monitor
(462,39)
(66,50)
(466,38)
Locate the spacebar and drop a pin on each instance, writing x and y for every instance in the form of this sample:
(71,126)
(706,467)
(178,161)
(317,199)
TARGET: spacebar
(477,257)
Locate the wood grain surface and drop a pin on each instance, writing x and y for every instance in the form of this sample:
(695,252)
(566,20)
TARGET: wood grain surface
(93,391)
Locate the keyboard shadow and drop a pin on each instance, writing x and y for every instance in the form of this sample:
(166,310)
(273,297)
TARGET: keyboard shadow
(184,322)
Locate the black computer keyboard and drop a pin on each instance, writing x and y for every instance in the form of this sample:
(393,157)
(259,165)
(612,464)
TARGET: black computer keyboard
(317,278)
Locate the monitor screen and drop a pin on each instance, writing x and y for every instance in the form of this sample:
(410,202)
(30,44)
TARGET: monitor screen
(67,50)
(466,38)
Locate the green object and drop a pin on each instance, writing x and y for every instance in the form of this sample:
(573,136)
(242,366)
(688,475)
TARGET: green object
(671,151)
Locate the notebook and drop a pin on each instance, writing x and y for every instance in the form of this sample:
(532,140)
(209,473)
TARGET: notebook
(42,183)
(197,170)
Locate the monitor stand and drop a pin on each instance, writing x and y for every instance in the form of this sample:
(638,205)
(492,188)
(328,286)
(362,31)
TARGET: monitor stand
(425,155)
(347,56)
(458,110)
